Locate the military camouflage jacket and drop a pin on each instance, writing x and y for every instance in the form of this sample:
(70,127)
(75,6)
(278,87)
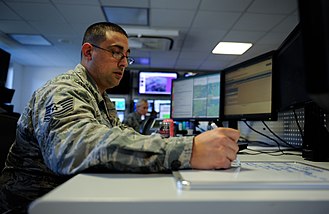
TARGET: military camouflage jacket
(134,121)
(68,127)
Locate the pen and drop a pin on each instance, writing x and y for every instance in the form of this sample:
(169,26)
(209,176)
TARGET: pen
(236,163)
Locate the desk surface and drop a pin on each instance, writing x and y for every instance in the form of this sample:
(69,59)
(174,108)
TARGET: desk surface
(157,193)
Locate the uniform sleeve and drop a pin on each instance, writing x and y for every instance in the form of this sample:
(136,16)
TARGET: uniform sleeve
(132,122)
(74,136)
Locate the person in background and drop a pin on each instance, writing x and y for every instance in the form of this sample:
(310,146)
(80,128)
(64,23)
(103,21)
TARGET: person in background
(71,126)
(134,119)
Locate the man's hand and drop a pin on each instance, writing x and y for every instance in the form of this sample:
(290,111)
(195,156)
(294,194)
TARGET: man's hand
(215,149)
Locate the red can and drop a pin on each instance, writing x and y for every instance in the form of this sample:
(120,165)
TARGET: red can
(167,128)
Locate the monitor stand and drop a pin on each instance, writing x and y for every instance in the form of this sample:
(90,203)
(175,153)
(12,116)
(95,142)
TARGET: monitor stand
(233,124)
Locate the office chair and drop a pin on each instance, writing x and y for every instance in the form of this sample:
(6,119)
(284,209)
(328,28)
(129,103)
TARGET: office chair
(8,124)
(147,125)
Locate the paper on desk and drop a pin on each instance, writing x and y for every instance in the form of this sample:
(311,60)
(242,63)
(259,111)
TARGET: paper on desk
(256,175)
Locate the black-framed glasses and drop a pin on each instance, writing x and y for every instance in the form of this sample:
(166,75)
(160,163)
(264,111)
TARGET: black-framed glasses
(117,55)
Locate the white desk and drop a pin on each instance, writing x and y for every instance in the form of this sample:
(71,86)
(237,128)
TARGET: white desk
(157,193)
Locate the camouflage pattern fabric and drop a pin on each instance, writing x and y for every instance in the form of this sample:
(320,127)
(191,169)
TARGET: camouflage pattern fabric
(134,121)
(68,127)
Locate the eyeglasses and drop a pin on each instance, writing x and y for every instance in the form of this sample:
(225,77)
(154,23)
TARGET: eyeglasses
(117,55)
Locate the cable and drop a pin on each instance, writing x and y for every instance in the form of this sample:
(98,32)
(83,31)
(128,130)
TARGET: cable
(279,148)
(298,125)
(285,142)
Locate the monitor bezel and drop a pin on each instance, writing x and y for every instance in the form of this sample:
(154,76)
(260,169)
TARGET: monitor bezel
(194,119)
(155,93)
(294,103)
(266,116)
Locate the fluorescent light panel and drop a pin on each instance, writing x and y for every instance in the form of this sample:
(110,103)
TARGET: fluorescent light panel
(127,15)
(30,39)
(234,48)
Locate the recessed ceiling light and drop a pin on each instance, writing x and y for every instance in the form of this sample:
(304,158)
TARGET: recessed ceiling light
(127,15)
(234,48)
(30,39)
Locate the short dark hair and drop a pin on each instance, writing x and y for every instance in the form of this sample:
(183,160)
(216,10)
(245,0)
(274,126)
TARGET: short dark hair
(96,32)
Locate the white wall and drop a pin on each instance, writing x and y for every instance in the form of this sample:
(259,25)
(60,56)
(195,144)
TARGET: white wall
(29,78)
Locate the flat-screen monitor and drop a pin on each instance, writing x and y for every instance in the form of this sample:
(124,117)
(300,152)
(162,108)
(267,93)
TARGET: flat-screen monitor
(157,104)
(314,20)
(196,97)
(155,83)
(164,110)
(120,103)
(121,115)
(248,90)
(290,72)
(4,65)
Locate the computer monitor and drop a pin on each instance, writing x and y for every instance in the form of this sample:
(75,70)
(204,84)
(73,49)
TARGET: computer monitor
(196,97)
(164,110)
(121,115)
(120,103)
(155,82)
(314,20)
(157,104)
(248,90)
(290,73)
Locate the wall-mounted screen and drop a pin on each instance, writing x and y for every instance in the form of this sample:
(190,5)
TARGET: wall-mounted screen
(156,83)
(120,103)
(248,90)
(196,97)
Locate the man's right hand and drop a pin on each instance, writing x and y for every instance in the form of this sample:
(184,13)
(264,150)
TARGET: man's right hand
(215,149)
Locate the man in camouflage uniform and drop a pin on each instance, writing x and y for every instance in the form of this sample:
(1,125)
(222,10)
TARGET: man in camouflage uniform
(71,126)
(134,119)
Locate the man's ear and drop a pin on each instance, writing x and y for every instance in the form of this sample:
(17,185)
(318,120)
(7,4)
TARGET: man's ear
(86,51)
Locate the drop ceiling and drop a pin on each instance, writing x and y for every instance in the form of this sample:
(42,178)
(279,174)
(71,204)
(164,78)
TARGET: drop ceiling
(199,24)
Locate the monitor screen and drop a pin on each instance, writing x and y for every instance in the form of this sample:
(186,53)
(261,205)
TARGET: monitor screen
(120,103)
(248,93)
(289,70)
(196,97)
(157,104)
(121,115)
(314,20)
(164,110)
(156,83)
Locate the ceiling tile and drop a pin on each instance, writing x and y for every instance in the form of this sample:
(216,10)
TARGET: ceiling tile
(37,11)
(6,13)
(174,4)
(126,3)
(216,20)
(258,22)
(225,5)
(173,18)
(90,14)
(273,7)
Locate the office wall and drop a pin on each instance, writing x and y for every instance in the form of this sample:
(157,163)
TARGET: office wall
(29,78)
